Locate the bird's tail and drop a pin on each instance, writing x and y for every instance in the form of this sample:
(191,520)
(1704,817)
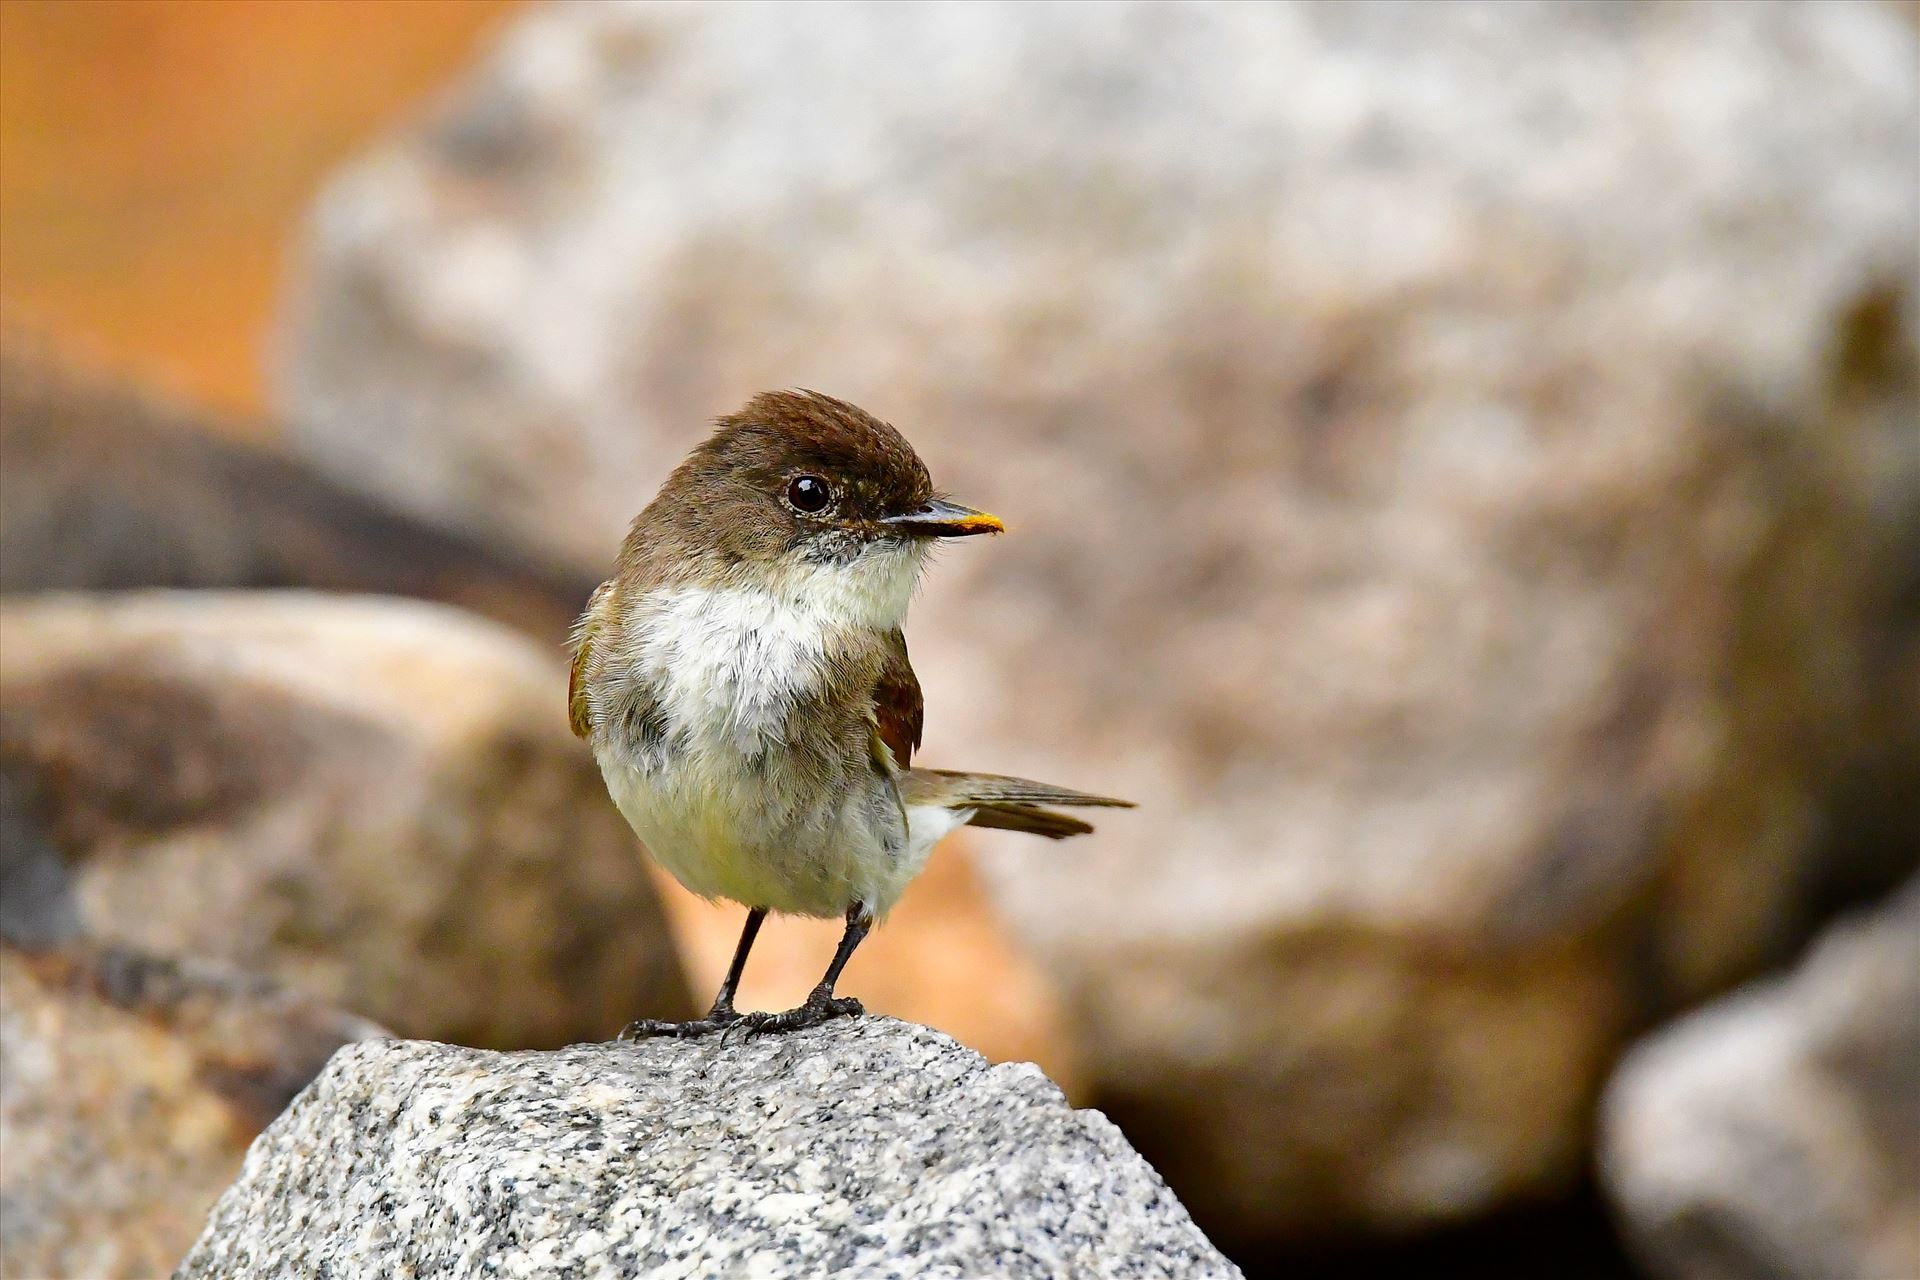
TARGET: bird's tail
(1010,804)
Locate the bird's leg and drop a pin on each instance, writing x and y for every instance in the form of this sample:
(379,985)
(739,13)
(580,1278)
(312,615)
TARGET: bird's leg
(722,1015)
(723,1002)
(821,1005)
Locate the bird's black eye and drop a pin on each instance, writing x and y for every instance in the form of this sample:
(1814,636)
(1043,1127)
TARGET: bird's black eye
(809,494)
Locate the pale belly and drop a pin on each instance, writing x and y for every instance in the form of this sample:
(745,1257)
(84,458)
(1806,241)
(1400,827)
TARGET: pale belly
(725,830)
(709,779)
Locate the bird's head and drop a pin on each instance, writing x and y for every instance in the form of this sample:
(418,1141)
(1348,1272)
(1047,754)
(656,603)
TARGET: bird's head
(803,491)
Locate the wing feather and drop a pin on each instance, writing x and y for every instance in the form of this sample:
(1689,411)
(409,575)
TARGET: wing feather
(579,705)
(898,712)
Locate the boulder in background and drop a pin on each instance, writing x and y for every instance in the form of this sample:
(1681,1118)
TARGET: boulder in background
(1459,458)
(104,489)
(1775,1134)
(375,801)
(133,1085)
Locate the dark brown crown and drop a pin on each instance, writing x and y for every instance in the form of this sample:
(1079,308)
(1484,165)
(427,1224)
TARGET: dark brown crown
(779,434)
(727,504)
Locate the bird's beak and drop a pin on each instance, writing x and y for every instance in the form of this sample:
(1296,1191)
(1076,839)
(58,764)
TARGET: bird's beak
(938,518)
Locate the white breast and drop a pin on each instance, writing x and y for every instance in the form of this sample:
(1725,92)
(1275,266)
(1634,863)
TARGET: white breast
(726,661)
(720,807)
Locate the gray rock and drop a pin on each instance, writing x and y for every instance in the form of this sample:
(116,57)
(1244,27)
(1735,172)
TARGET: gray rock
(133,1085)
(866,1148)
(1775,1135)
(376,801)
(1457,459)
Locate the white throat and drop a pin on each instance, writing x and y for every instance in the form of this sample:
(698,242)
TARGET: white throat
(870,591)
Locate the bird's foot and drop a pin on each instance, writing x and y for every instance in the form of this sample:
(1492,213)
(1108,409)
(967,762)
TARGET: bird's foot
(821,1006)
(717,1020)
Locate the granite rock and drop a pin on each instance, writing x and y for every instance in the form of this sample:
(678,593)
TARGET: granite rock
(373,800)
(133,1086)
(1459,457)
(1775,1135)
(864,1148)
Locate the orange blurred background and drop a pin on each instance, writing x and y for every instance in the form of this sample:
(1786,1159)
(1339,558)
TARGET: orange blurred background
(156,157)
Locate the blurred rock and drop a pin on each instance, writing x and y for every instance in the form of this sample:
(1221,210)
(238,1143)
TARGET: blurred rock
(1458,458)
(103,489)
(133,1085)
(1775,1135)
(869,1147)
(375,801)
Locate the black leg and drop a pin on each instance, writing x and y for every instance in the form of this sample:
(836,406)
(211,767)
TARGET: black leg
(858,922)
(722,1015)
(723,1003)
(821,1005)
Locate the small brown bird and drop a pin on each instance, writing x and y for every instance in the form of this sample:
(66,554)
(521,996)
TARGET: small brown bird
(745,687)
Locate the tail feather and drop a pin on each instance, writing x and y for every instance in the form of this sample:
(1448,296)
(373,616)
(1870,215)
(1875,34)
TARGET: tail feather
(1030,818)
(1009,804)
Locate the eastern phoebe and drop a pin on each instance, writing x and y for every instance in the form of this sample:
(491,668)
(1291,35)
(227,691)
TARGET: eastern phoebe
(745,687)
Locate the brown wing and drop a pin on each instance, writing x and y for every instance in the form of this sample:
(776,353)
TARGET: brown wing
(897,708)
(579,708)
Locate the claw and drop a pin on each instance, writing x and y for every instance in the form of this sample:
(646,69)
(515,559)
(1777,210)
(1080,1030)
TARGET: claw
(655,1029)
(818,1009)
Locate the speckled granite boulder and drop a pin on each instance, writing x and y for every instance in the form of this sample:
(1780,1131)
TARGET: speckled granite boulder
(1776,1135)
(864,1148)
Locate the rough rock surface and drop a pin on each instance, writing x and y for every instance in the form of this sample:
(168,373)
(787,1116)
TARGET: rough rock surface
(863,1148)
(103,489)
(376,801)
(132,1087)
(1456,455)
(1775,1135)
